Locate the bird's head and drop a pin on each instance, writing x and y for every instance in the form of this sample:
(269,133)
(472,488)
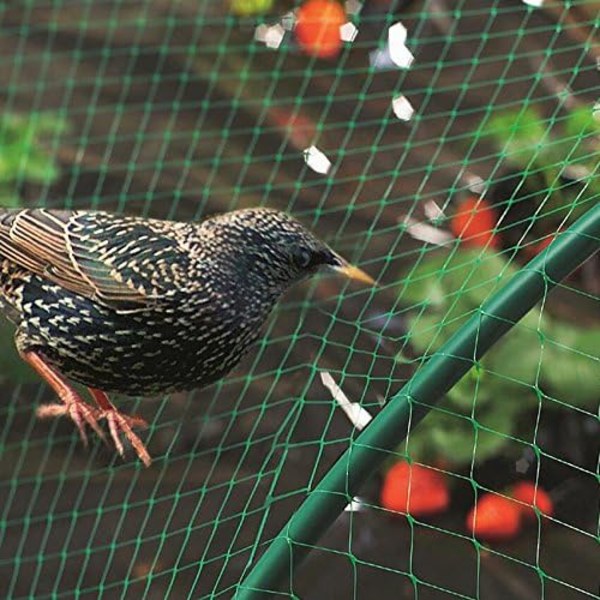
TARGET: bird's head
(274,249)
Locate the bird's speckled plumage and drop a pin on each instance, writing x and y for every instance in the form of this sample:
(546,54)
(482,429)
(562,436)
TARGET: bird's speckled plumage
(141,306)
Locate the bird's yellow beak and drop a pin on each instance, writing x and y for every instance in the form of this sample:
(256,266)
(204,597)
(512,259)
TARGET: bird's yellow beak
(355,273)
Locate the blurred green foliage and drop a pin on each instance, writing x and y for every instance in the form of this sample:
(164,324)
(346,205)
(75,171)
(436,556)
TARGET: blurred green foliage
(558,157)
(247,8)
(542,359)
(23,157)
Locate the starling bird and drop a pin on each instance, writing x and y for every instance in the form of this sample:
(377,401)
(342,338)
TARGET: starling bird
(142,306)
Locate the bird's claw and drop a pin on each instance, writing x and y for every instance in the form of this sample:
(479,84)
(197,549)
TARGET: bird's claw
(119,423)
(82,413)
(78,411)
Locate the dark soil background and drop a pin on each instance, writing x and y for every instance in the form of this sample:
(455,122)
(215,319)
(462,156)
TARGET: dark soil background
(169,118)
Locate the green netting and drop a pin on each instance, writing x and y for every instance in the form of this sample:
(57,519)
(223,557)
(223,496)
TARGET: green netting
(183,108)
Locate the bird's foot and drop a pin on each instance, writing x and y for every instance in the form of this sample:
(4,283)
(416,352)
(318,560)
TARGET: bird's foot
(119,423)
(82,413)
(78,411)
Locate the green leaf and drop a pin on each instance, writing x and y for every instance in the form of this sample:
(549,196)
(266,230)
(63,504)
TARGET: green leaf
(456,285)
(423,283)
(22,156)
(517,356)
(570,368)
(520,134)
(453,438)
(490,443)
(470,390)
(501,390)
(441,435)
(475,274)
(582,123)
(426,332)
(472,274)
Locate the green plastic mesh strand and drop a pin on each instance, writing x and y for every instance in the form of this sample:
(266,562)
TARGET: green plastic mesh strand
(441,146)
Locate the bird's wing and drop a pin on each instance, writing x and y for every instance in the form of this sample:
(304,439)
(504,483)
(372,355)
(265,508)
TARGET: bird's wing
(122,262)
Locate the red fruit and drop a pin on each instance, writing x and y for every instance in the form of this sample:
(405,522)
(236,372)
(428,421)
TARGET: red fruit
(540,246)
(543,244)
(525,492)
(532,250)
(414,490)
(474,222)
(494,518)
(318,25)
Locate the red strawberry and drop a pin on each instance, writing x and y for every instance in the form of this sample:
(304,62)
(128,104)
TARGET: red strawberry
(414,490)
(474,222)
(494,518)
(526,492)
(318,25)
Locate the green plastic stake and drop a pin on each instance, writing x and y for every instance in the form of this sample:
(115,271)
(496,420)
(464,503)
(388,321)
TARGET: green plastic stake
(414,400)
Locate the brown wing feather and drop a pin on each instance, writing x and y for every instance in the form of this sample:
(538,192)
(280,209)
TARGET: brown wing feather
(43,242)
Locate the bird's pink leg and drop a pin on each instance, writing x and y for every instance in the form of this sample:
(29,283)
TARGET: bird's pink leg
(72,404)
(120,423)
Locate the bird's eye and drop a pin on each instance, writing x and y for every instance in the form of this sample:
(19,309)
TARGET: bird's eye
(302,257)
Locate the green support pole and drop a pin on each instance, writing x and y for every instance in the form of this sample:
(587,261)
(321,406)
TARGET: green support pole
(413,401)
